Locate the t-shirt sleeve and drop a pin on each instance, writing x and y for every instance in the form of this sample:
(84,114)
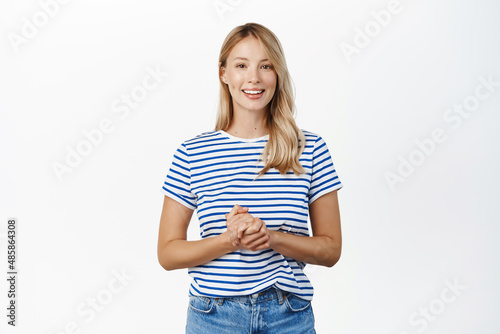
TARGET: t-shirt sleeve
(324,178)
(177,184)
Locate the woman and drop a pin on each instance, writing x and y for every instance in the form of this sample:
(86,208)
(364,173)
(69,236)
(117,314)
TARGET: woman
(254,180)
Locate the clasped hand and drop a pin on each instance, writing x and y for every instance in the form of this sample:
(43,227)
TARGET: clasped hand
(245,230)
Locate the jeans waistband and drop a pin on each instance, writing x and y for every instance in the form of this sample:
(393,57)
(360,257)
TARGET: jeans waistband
(267,294)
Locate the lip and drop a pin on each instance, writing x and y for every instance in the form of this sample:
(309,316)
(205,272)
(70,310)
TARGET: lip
(254,96)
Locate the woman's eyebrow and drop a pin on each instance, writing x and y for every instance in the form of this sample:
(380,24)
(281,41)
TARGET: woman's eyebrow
(243,58)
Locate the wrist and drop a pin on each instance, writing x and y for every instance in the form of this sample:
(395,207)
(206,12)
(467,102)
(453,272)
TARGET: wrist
(225,242)
(274,239)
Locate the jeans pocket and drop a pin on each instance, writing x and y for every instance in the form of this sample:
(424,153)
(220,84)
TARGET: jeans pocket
(296,304)
(201,304)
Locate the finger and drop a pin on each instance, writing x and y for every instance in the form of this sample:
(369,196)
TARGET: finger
(242,210)
(262,246)
(234,210)
(244,225)
(232,231)
(237,225)
(248,240)
(256,226)
(238,217)
(261,243)
(231,218)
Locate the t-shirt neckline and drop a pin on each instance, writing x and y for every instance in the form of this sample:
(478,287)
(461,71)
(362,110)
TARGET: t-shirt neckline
(247,140)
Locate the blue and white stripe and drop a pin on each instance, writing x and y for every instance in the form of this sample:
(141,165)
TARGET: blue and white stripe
(214,171)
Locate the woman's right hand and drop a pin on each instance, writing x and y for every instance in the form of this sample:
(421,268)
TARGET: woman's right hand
(237,221)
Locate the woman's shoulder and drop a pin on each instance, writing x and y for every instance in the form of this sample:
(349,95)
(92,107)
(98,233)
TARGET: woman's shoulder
(310,136)
(200,137)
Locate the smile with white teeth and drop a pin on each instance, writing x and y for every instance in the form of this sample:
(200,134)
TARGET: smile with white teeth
(252,91)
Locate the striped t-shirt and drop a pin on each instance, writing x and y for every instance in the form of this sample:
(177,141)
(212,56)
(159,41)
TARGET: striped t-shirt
(214,171)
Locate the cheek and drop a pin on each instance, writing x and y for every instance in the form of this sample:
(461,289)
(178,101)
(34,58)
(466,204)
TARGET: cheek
(233,76)
(233,82)
(233,89)
(271,81)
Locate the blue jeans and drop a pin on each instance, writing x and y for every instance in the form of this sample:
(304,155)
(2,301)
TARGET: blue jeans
(270,311)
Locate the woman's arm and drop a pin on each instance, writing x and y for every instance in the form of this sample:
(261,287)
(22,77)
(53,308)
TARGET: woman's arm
(174,251)
(323,248)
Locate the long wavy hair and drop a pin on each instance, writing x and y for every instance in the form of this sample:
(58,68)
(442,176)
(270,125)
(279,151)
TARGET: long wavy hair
(286,141)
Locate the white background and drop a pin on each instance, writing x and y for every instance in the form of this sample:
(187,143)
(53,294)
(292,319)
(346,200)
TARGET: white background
(401,244)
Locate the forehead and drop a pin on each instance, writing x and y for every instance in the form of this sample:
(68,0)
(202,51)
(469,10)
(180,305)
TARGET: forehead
(249,48)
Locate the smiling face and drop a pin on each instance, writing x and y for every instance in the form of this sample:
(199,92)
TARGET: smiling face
(250,76)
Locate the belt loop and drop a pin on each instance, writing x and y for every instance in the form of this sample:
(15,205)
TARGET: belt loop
(280,295)
(219,301)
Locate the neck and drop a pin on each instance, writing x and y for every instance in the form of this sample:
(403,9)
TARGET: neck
(248,125)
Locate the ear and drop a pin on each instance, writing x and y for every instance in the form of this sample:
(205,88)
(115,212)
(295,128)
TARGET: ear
(222,73)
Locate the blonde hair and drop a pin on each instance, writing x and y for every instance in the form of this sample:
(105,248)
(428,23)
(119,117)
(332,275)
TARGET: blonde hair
(286,141)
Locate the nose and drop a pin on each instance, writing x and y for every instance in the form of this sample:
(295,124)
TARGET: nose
(253,74)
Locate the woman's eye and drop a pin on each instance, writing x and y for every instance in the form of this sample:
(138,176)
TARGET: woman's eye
(240,65)
(267,67)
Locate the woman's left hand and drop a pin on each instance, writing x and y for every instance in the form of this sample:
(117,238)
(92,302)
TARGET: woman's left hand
(237,221)
(244,229)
